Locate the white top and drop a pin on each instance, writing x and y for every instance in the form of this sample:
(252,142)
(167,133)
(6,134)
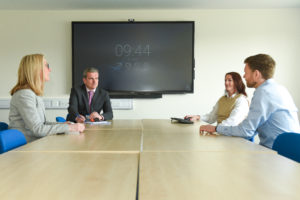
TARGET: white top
(237,115)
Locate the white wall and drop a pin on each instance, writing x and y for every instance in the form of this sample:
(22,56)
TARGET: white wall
(223,39)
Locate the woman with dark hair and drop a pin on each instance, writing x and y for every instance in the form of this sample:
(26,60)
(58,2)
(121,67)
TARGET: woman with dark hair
(232,108)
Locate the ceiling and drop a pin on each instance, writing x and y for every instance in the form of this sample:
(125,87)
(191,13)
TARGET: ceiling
(145,4)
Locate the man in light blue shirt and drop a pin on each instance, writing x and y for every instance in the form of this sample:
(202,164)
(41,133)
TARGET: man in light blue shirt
(272,110)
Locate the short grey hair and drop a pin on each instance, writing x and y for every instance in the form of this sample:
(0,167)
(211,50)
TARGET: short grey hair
(89,69)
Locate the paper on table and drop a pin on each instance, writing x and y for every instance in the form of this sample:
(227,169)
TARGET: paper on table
(100,122)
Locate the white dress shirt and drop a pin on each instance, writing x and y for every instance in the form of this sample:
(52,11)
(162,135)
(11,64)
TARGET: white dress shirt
(237,115)
(87,90)
(94,90)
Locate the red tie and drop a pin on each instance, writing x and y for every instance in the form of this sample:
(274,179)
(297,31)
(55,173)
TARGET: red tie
(91,94)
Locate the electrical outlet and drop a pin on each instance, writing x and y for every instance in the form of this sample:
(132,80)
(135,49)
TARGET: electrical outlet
(121,104)
(55,103)
(63,104)
(47,103)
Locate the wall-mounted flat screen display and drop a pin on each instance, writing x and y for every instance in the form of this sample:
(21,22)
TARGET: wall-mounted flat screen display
(136,57)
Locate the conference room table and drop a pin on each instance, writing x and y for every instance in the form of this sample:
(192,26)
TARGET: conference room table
(217,175)
(105,141)
(164,160)
(67,175)
(117,124)
(178,140)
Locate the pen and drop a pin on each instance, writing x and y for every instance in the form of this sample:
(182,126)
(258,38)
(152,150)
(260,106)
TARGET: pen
(78,115)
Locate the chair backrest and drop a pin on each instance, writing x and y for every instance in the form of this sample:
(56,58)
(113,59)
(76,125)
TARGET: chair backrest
(3,126)
(10,139)
(60,119)
(288,145)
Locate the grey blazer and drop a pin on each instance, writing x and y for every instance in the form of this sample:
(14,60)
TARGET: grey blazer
(27,114)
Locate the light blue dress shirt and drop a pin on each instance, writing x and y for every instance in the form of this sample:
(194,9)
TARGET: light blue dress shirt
(272,112)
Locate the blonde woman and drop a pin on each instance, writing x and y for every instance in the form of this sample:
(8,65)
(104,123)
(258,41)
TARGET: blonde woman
(27,111)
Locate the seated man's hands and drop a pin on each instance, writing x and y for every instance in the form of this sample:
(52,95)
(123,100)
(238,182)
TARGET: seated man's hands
(80,119)
(94,115)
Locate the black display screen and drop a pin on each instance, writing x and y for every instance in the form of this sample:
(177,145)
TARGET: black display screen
(140,57)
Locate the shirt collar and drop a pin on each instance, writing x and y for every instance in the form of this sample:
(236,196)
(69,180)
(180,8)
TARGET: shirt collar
(87,90)
(268,81)
(227,95)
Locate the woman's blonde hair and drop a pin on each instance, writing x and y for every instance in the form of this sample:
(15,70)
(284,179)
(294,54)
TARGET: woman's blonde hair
(31,74)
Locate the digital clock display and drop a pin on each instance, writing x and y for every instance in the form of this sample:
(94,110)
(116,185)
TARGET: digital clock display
(131,56)
(130,50)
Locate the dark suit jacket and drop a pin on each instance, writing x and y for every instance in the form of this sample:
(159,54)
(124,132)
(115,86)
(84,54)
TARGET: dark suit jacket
(79,103)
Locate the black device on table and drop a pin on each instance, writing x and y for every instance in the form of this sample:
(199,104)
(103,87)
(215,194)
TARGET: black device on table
(182,120)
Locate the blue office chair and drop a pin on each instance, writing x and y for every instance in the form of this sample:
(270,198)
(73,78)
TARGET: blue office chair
(10,139)
(288,145)
(3,126)
(60,119)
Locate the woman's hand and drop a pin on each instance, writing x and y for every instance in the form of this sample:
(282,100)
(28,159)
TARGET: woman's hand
(77,127)
(192,117)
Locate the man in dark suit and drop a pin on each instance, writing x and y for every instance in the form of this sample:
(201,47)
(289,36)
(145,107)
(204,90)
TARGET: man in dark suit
(89,99)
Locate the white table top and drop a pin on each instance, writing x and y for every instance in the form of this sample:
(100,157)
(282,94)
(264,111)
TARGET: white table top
(176,163)
(191,140)
(166,124)
(217,175)
(61,176)
(91,140)
(118,124)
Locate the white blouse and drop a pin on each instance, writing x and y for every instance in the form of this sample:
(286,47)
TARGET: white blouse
(237,115)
